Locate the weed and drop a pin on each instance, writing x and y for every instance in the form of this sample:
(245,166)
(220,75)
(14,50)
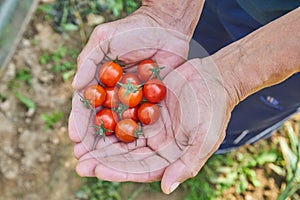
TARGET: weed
(25,100)
(291,153)
(51,119)
(60,62)
(71,15)
(3,97)
(24,74)
(95,189)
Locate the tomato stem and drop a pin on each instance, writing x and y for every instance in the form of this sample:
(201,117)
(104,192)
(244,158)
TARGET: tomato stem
(101,130)
(129,87)
(86,102)
(120,109)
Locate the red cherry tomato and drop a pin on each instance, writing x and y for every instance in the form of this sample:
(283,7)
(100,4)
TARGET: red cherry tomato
(110,73)
(126,130)
(131,113)
(154,90)
(148,113)
(94,95)
(131,77)
(144,69)
(130,96)
(111,100)
(107,120)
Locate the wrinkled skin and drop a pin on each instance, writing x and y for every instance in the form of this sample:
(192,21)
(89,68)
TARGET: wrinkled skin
(132,39)
(194,117)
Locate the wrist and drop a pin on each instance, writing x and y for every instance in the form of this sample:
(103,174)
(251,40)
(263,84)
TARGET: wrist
(264,58)
(178,15)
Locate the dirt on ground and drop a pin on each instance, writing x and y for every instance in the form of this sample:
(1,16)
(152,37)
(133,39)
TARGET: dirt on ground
(36,163)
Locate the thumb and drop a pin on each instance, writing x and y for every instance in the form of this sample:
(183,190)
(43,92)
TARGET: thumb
(177,173)
(90,57)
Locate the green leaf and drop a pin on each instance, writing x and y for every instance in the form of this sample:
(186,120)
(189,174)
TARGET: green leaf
(289,157)
(242,184)
(266,157)
(70,27)
(51,119)
(44,58)
(46,8)
(67,75)
(25,100)
(292,137)
(252,177)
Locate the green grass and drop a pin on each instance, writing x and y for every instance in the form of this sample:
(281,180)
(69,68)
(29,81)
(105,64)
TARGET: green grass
(62,61)
(95,189)
(51,119)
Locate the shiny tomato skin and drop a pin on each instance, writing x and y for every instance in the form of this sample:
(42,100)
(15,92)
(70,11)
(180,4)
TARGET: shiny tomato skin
(109,119)
(132,99)
(148,113)
(131,113)
(131,77)
(154,90)
(112,99)
(95,95)
(110,73)
(144,69)
(125,130)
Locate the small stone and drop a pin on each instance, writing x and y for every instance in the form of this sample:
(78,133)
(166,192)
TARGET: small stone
(55,140)
(67,164)
(30,112)
(10,170)
(46,77)
(10,72)
(28,120)
(5,106)
(26,43)
(93,19)
(45,158)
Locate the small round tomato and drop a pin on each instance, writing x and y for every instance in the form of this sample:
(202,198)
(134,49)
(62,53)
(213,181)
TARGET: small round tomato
(130,95)
(130,77)
(111,100)
(110,73)
(155,90)
(148,113)
(106,121)
(94,95)
(144,69)
(131,113)
(127,130)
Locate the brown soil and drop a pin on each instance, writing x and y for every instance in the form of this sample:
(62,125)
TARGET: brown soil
(36,163)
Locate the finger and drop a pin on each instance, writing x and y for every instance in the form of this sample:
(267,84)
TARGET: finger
(106,173)
(87,167)
(85,146)
(78,120)
(141,165)
(188,165)
(92,54)
(116,163)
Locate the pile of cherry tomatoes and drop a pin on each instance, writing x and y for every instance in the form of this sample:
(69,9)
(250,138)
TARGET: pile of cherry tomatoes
(127,101)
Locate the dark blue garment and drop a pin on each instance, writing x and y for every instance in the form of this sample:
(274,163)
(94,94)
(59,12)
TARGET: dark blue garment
(221,23)
(265,11)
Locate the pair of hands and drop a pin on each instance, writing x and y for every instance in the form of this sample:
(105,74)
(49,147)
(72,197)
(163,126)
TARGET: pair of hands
(194,114)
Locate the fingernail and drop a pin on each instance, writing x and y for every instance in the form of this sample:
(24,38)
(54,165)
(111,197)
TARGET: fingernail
(174,186)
